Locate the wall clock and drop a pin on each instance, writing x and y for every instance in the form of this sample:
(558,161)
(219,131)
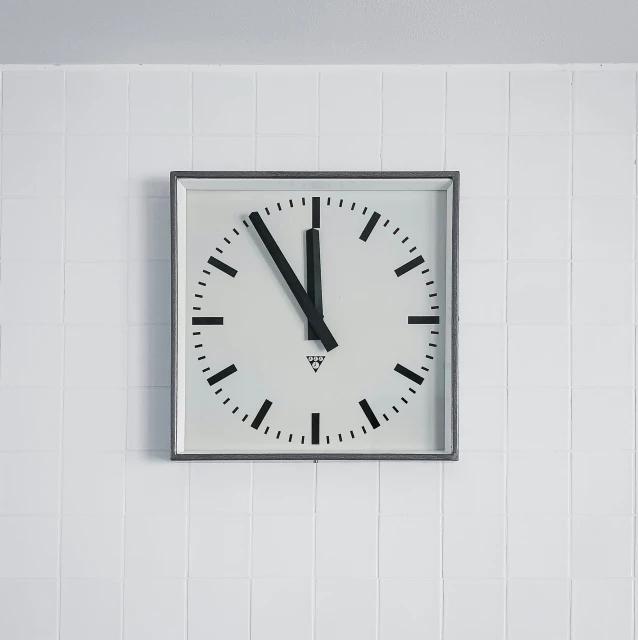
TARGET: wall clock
(314,315)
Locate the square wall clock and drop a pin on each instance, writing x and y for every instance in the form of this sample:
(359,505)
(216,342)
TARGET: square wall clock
(314,315)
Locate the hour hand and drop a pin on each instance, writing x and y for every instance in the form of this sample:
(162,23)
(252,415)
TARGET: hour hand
(315,319)
(313,275)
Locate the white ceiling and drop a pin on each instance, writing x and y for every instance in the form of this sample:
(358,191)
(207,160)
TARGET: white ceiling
(318,31)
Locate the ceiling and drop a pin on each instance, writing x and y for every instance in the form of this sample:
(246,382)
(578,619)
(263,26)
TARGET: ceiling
(318,31)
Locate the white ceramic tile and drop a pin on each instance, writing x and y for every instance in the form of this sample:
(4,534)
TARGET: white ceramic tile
(410,547)
(280,487)
(95,293)
(96,229)
(30,547)
(148,419)
(482,356)
(603,160)
(537,546)
(413,101)
(482,418)
(224,153)
(94,419)
(538,356)
(537,292)
(538,419)
(223,488)
(473,546)
(219,546)
(96,166)
(604,101)
(286,153)
(96,101)
(154,484)
(282,546)
(602,358)
(150,161)
(149,292)
(540,101)
(349,102)
(602,419)
(346,609)
(602,483)
(100,350)
(407,607)
(287,102)
(473,609)
(32,419)
(155,546)
(483,299)
(602,608)
(477,486)
(482,161)
(32,229)
(93,483)
(32,165)
(92,546)
(537,483)
(537,609)
(149,356)
(90,607)
(155,608)
(410,487)
(30,483)
(603,293)
(482,228)
(538,228)
(476,101)
(223,102)
(149,227)
(33,101)
(281,609)
(346,487)
(349,153)
(346,546)
(31,292)
(160,101)
(219,607)
(31,355)
(603,228)
(29,609)
(412,153)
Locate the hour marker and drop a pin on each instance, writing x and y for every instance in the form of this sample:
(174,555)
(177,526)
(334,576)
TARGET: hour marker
(197,333)
(279,206)
(410,375)
(405,240)
(340,438)
(430,357)
(199,295)
(432,344)
(413,250)
(372,419)
(404,400)
(394,233)
(218,249)
(203,284)
(385,417)
(222,266)
(352,434)
(412,390)
(209,320)
(266,430)
(367,230)
(408,266)
(395,409)
(261,414)
(245,223)
(202,358)
(364,430)
(303,202)
(278,434)
(385,224)
(197,308)
(218,391)
(314,428)
(316,212)
(327,439)
(290,436)
(236,232)
(354,204)
(291,204)
(206,369)
(235,409)
(206,272)
(328,202)
(423,319)
(244,418)
(429,283)
(364,211)
(303,438)
(198,346)
(267,212)
(226,401)
(227,240)
(220,375)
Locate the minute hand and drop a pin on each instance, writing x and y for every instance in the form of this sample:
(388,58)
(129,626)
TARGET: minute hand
(303,299)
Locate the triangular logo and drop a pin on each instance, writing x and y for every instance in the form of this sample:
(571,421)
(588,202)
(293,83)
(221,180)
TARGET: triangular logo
(315,362)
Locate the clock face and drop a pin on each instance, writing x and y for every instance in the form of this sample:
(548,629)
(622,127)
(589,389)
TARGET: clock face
(315,320)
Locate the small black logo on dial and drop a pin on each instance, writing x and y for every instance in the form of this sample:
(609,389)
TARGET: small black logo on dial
(315,362)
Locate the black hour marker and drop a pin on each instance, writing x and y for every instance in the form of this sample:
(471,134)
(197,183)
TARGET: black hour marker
(423,319)
(226,401)
(327,439)
(395,409)
(279,206)
(209,320)
(303,438)
(316,212)
(354,204)
(206,272)
(245,223)
(408,266)
(385,417)
(199,295)
(413,250)
(328,202)
(432,344)
(410,375)
(220,375)
(267,212)
(218,249)
(278,434)
(430,357)
(352,434)
(261,414)
(404,240)
(235,409)
(291,204)
(412,390)
(303,202)
(367,230)
(385,224)
(198,346)
(314,428)
(236,232)
(202,358)
(266,430)
(206,369)
(197,333)
(227,240)
(222,266)
(404,400)
(394,233)
(364,430)
(364,211)
(203,284)
(197,308)
(290,436)
(429,283)
(372,419)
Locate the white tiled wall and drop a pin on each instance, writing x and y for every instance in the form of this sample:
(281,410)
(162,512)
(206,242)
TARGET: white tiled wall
(530,535)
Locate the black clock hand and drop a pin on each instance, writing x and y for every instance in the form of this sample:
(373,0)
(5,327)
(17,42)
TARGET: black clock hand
(313,275)
(303,299)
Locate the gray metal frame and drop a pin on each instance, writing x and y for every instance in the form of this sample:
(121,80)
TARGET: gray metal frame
(454,176)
